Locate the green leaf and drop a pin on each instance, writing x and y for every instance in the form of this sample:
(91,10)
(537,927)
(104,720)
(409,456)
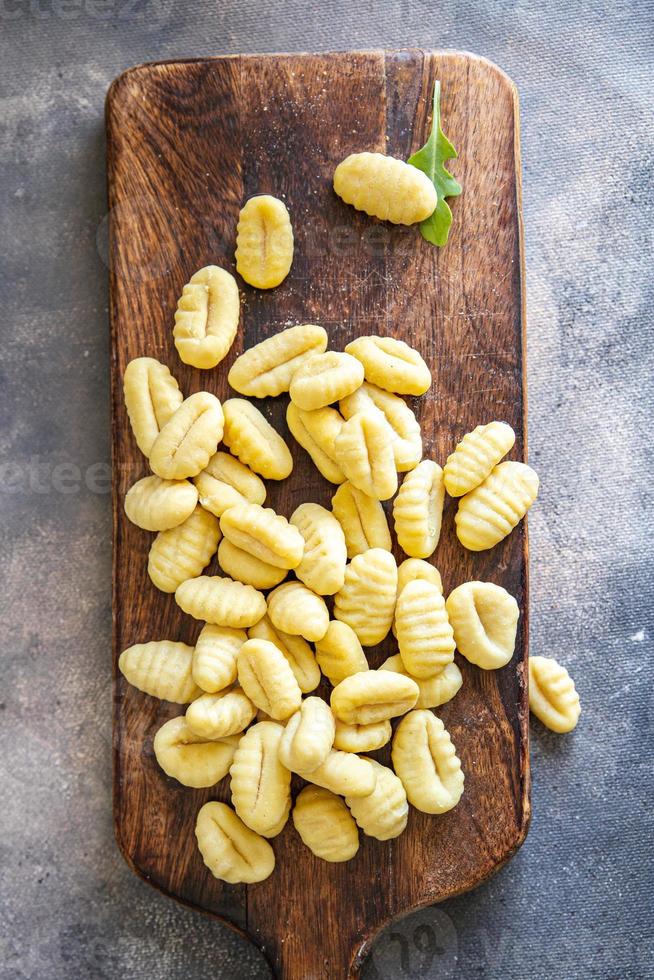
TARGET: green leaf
(431,160)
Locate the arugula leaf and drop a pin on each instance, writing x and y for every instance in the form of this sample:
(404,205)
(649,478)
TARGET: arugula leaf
(431,160)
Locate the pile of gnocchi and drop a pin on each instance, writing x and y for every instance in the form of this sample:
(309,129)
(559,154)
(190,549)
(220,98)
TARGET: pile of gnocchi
(269,639)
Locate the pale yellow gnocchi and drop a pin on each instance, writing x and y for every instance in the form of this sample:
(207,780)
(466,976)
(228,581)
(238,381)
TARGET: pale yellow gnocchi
(426,761)
(225,482)
(484,618)
(553,697)
(230,850)
(295,609)
(384,812)
(391,364)
(322,568)
(367,600)
(161,668)
(260,784)
(308,736)
(191,759)
(264,242)
(189,438)
(434,690)
(214,657)
(254,441)
(221,601)
(345,774)
(372,696)
(364,452)
(362,738)
(385,187)
(489,513)
(424,633)
(418,510)
(152,397)
(219,715)
(263,533)
(476,456)
(407,439)
(325,378)
(267,368)
(206,319)
(339,653)
(363,520)
(267,679)
(295,650)
(325,824)
(158,505)
(183,552)
(246,568)
(316,432)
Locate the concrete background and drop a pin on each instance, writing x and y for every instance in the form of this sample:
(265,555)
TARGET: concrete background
(576,901)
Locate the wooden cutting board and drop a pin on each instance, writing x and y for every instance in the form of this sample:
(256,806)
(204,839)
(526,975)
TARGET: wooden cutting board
(188,143)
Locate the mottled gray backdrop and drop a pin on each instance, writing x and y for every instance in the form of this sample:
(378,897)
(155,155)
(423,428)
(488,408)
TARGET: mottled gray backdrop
(576,901)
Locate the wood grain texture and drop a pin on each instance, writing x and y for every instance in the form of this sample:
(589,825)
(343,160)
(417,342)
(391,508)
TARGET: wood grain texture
(188,142)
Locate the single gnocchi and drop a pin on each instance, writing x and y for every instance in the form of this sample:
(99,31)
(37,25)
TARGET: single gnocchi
(345,774)
(161,668)
(364,451)
(484,619)
(246,568)
(391,364)
(373,696)
(434,690)
(363,520)
(385,188)
(476,456)
(219,715)
(553,697)
(325,824)
(264,242)
(362,738)
(214,657)
(316,432)
(159,505)
(267,679)
(231,851)
(221,601)
(261,785)
(384,812)
(424,633)
(426,761)
(322,568)
(418,510)
(308,736)
(263,533)
(339,653)
(206,319)
(295,609)
(367,600)
(183,552)
(225,482)
(152,397)
(267,368)
(254,441)
(489,513)
(189,438)
(191,759)
(324,378)
(295,650)
(407,439)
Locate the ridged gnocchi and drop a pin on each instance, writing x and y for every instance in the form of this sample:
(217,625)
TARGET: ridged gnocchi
(316,432)
(373,696)
(264,242)
(161,668)
(362,738)
(261,785)
(384,812)
(158,505)
(191,759)
(476,456)
(189,438)
(345,774)
(221,601)
(183,552)
(219,715)
(295,650)
(325,824)
(267,679)
(426,762)
(254,441)
(214,657)
(434,690)
(152,397)
(339,653)
(225,482)
(308,736)
(263,533)
(267,368)
(364,452)
(424,633)
(246,568)
(385,188)
(363,520)
(322,568)
(418,510)
(367,600)
(553,697)
(484,618)
(295,609)
(325,378)
(206,319)
(407,439)
(391,364)
(489,513)
(230,850)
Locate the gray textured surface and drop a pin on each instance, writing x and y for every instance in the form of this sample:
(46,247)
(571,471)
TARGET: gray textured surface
(575,902)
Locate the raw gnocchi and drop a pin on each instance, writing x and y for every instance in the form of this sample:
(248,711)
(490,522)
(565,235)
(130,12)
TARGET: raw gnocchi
(424,633)
(264,242)
(489,513)
(384,812)
(363,520)
(426,762)
(407,439)
(219,715)
(322,568)
(230,850)
(267,679)
(263,533)
(214,657)
(183,552)
(339,653)
(267,368)
(484,618)
(308,736)
(476,456)
(373,696)
(367,600)
(316,432)
(325,824)
(434,690)
(324,378)
(391,364)
(345,774)
(221,601)
(246,568)
(364,452)
(206,319)
(553,697)
(191,759)
(152,397)
(162,669)
(225,482)
(295,609)
(254,441)
(385,187)
(261,785)
(418,510)
(158,505)
(362,738)
(189,438)
(295,650)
